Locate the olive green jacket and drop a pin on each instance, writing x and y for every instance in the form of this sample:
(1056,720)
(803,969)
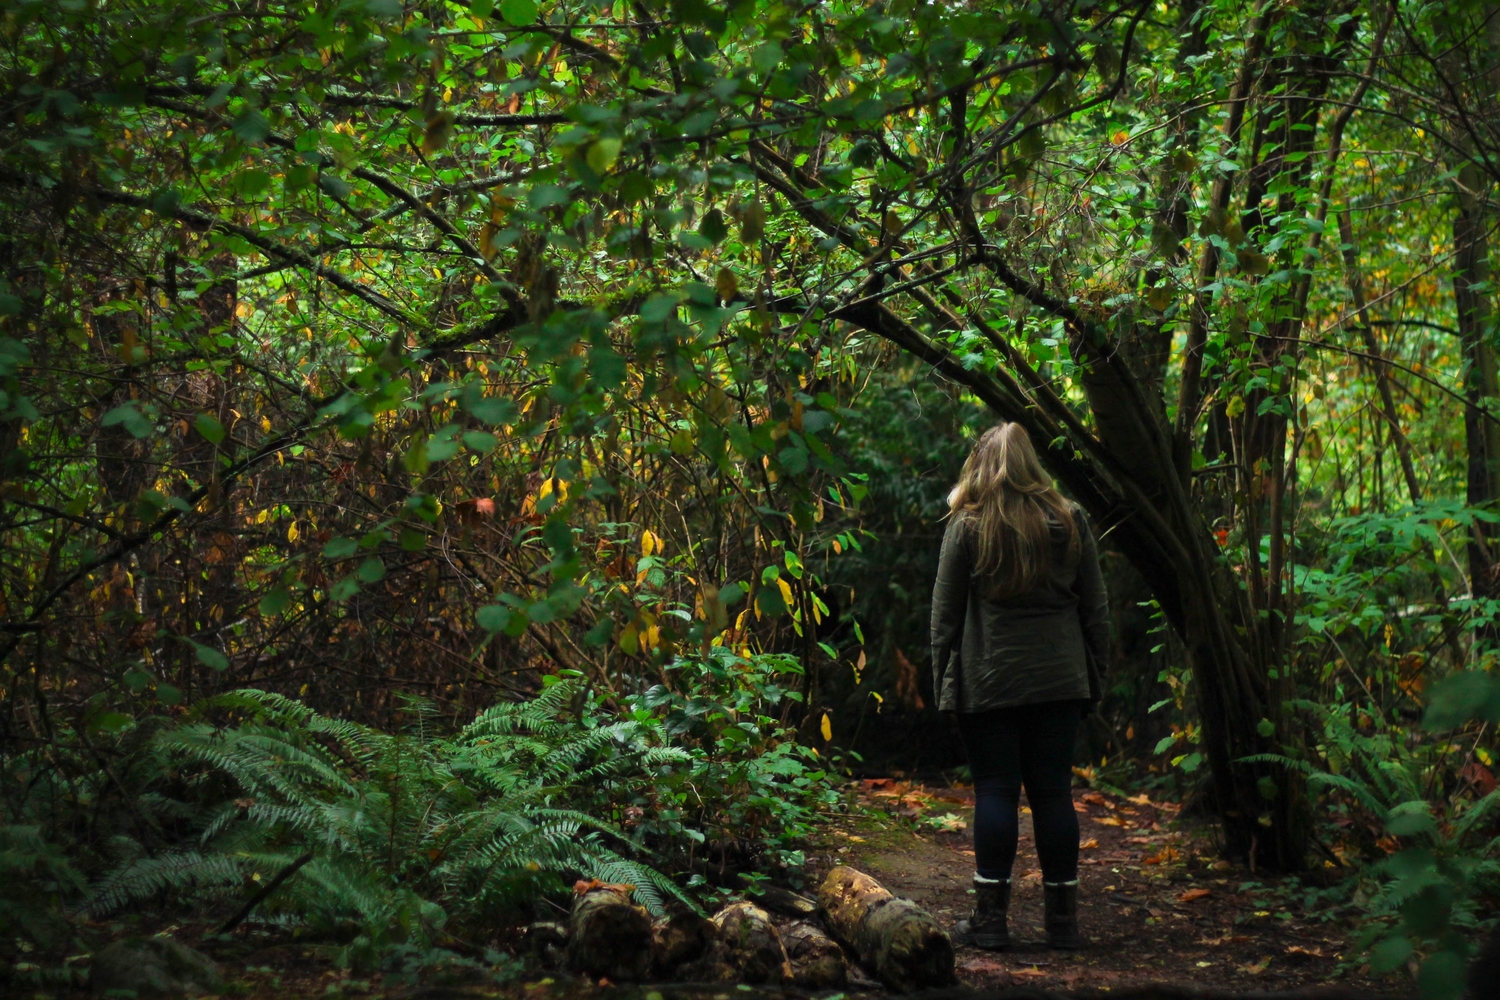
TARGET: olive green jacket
(1049,644)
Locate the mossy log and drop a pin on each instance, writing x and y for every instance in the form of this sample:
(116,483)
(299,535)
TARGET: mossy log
(746,949)
(817,960)
(609,936)
(679,937)
(896,940)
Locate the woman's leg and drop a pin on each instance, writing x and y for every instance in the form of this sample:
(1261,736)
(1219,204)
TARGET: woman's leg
(993,745)
(1046,737)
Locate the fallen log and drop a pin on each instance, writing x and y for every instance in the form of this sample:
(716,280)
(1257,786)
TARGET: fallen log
(608,935)
(817,960)
(746,949)
(896,940)
(680,937)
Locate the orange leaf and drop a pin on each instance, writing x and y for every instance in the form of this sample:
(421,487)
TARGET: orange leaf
(1110,821)
(1089,845)
(1193,895)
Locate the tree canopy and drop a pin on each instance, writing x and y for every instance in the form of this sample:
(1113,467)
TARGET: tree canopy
(370,347)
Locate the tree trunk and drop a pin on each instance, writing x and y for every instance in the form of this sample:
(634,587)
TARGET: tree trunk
(1471,274)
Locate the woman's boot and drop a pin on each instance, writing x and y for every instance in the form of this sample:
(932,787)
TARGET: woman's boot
(1060,904)
(986,926)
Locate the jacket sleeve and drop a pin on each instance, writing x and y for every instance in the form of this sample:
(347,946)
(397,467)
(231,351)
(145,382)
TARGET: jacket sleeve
(950,601)
(1093,608)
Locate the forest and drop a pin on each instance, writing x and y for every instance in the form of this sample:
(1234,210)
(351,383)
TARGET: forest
(463,459)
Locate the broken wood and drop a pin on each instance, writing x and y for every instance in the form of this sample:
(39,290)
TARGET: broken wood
(896,940)
(817,960)
(608,935)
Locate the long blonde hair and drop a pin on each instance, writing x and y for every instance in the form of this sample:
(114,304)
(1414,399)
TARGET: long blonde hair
(1013,506)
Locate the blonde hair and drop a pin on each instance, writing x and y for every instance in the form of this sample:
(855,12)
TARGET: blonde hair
(1013,506)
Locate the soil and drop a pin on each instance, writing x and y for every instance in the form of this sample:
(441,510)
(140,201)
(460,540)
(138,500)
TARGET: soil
(1156,903)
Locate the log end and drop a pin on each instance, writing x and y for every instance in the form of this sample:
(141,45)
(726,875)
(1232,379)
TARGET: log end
(610,936)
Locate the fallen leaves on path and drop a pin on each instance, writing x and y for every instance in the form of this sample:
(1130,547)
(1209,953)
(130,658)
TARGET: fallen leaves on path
(1193,895)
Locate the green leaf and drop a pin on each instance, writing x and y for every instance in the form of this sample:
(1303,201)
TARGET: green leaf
(210,428)
(340,548)
(480,441)
(1410,818)
(344,589)
(1390,954)
(603,154)
(493,617)
(1468,694)
(1427,912)
(207,655)
(372,570)
(766,57)
(493,410)
(252,127)
(1443,976)
(769,602)
(713,227)
(275,601)
(440,449)
(518,12)
(132,419)
(334,186)
(1165,743)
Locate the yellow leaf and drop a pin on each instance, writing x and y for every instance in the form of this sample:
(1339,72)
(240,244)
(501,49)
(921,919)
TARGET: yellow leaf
(292,533)
(827,728)
(726,285)
(786,590)
(1235,407)
(263,516)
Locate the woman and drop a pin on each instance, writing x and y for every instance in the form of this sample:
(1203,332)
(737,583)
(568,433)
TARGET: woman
(1020,625)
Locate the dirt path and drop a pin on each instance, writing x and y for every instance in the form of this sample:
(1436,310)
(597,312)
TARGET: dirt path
(1155,905)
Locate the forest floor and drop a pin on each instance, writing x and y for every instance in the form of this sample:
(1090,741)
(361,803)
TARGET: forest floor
(1157,907)
(1156,904)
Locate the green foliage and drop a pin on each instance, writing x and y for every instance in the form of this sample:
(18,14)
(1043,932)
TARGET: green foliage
(403,842)
(1422,897)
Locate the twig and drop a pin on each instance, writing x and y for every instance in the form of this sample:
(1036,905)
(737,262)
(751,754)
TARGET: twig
(265,891)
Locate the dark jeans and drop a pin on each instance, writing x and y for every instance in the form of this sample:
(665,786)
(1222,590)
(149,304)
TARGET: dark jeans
(1030,745)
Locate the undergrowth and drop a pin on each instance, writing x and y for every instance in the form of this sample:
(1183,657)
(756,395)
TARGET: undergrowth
(414,842)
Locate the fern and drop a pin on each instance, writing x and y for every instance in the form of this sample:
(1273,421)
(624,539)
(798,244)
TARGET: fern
(403,826)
